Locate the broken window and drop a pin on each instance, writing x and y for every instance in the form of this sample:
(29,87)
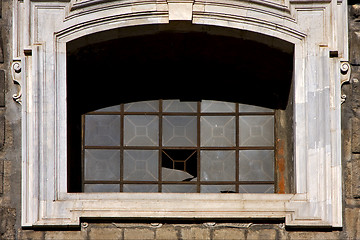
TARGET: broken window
(175,146)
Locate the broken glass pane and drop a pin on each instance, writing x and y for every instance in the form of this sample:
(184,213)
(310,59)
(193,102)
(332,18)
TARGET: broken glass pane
(179,165)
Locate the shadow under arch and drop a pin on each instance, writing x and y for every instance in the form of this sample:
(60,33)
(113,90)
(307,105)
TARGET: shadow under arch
(176,61)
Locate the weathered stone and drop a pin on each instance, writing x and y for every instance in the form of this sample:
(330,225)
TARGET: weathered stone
(69,235)
(195,233)
(1,176)
(31,235)
(355,47)
(229,233)
(314,235)
(138,233)
(7,223)
(105,233)
(166,232)
(355,135)
(355,174)
(355,11)
(2,86)
(261,234)
(351,223)
(2,128)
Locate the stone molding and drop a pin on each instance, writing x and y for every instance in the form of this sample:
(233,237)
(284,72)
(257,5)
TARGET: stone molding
(41,30)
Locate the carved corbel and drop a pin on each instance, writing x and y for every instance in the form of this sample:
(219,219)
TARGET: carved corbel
(345,70)
(16,76)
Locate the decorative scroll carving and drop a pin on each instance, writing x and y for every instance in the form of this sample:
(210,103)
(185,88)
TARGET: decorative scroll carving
(345,77)
(16,76)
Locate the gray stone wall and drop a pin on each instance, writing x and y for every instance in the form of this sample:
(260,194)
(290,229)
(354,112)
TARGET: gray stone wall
(10,171)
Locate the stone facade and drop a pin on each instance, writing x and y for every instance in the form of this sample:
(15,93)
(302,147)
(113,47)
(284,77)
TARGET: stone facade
(10,171)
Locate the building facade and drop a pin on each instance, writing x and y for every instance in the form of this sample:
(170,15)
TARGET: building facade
(62,61)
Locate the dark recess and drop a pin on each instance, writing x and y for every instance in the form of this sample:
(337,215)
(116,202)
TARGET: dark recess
(170,65)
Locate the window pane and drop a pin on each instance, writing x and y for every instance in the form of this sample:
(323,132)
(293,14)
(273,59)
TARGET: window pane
(217,106)
(102,130)
(179,131)
(148,106)
(218,165)
(254,188)
(141,165)
(256,130)
(217,188)
(218,131)
(251,108)
(177,106)
(102,164)
(256,165)
(141,130)
(140,188)
(179,188)
(102,188)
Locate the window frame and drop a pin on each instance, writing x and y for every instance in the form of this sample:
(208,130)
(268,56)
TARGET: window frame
(41,30)
(196,147)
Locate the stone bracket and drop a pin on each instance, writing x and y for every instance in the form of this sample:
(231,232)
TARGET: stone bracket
(345,70)
(16,76)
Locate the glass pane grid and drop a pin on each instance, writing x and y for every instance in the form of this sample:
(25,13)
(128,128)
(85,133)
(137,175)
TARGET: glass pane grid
(235,149)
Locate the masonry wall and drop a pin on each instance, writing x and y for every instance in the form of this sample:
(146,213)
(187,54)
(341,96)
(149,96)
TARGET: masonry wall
(10,171)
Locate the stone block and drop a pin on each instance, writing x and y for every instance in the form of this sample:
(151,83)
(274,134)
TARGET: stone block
(107,233)
(7,223)
(166,232)
(2,128)
(314,235)
(355,138)
(355,173)
(195,233)
(354,42)
(69,235)
(351,223)
(1,176)
(31,235)
(258,234)
(229,233)
(139,234)
(2,86)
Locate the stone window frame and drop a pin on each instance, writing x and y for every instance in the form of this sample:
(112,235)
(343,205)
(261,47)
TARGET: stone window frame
(40,32)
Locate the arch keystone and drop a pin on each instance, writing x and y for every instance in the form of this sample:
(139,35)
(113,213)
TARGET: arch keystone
(180,10)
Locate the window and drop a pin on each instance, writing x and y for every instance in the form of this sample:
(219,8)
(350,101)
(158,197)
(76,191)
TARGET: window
(43,32)
(172,146)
